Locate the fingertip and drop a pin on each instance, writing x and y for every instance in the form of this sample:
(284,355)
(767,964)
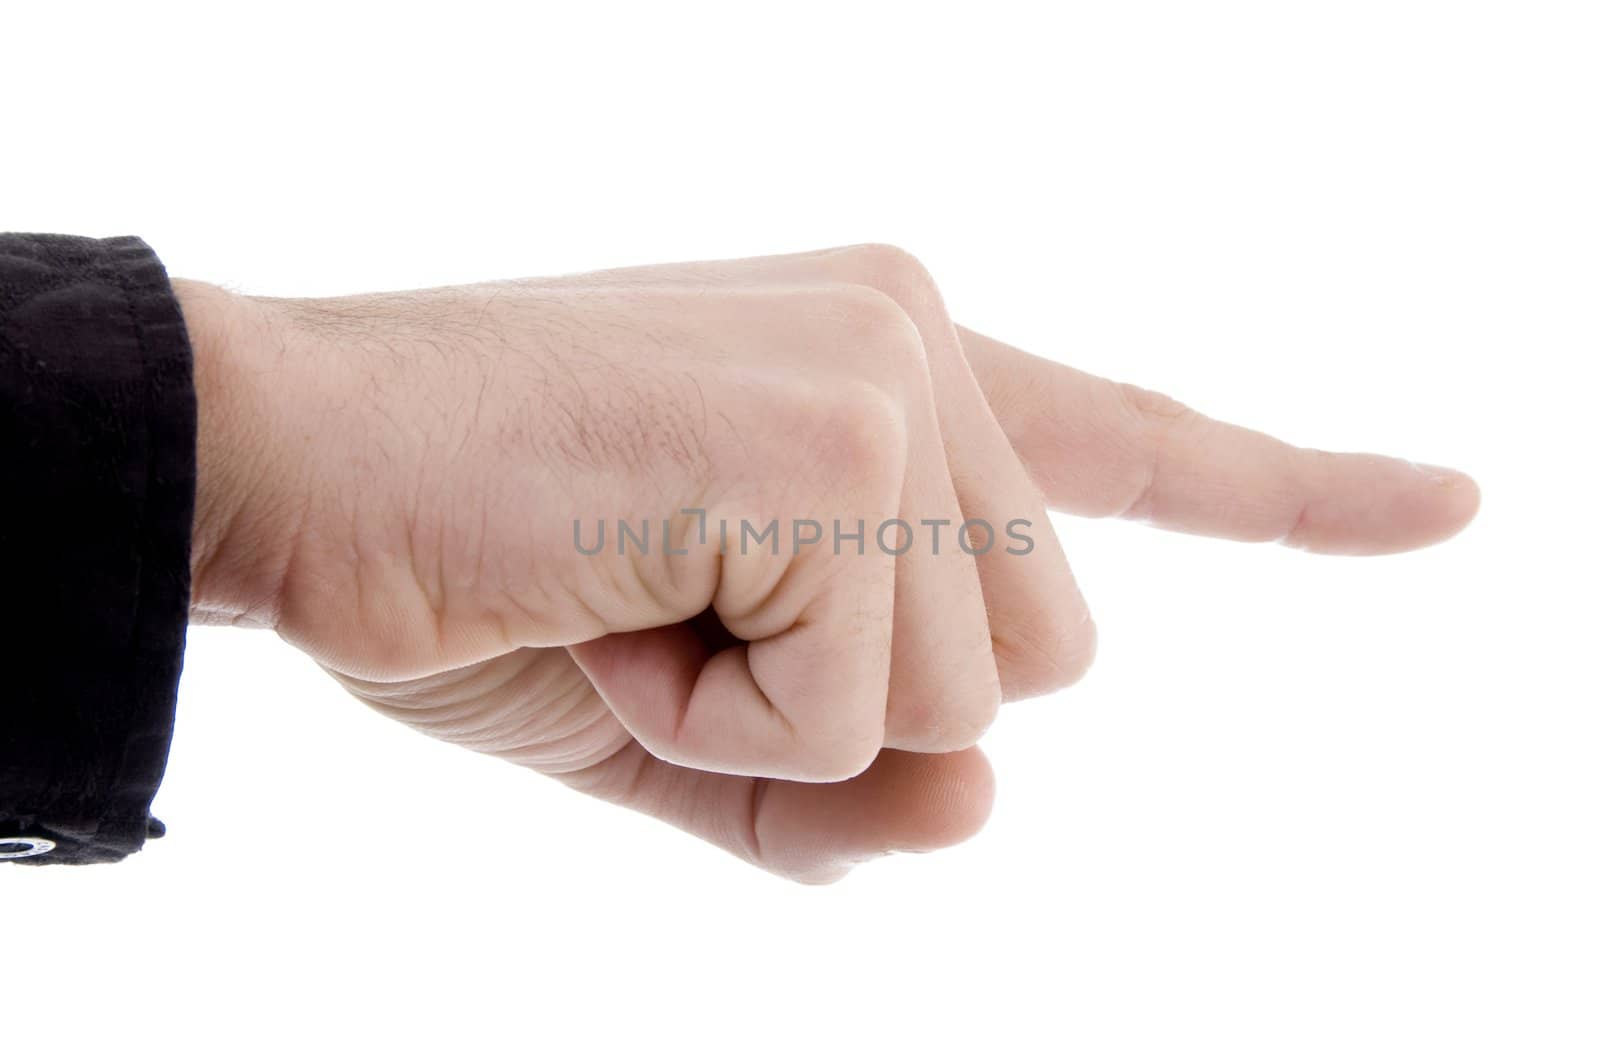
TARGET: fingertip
(905,803)
(1456,499)
(948,797)
(1436,504)
(977,786)
(1369,504)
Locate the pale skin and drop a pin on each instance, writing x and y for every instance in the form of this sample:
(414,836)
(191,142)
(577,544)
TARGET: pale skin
(390,481)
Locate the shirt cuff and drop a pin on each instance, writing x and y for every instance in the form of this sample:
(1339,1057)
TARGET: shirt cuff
(97,470)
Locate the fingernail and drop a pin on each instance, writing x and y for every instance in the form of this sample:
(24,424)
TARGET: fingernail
(1443,476)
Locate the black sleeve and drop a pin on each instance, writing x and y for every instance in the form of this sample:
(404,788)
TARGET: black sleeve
(97,477)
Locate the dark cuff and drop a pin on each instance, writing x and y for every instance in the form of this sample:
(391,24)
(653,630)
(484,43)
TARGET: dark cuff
(97,474)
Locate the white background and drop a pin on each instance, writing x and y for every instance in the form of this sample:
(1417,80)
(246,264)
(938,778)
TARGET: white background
(1303,809)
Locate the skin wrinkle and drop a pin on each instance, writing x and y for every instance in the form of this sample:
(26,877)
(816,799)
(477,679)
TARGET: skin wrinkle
(619,740)
(752,833)
(470,717)
(296,539)
(541,759)
(632,758)
(794,733)
(682,530)
(437,691)
(1159,419)
(1289,538)
(481,727)
(644,587)
(574,701)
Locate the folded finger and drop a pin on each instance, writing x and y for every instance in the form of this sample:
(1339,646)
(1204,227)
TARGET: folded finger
(811,832)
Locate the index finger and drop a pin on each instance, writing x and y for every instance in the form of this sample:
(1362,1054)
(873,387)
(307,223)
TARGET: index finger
(1100,448)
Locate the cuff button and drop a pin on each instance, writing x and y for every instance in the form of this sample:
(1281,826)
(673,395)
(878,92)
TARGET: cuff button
(24,846)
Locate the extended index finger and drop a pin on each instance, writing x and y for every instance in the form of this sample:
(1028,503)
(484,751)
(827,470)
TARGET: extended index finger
(1100,448)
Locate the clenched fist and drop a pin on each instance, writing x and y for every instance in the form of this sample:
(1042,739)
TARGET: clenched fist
(757,547)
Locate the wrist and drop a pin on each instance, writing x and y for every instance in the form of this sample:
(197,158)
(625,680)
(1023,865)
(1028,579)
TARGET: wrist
(239,545)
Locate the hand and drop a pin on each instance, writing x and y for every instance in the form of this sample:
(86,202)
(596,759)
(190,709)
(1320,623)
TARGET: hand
(407,487)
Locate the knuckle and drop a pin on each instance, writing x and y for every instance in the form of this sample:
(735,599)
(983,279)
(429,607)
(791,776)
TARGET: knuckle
(981,712)
(952,716)
(865,427)
(891,270)
(964,725)
(1044,656)
(1143,403)
(1146,425)
(870,315)
(808,441)
(967,712)
(832,758)
(879,337)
